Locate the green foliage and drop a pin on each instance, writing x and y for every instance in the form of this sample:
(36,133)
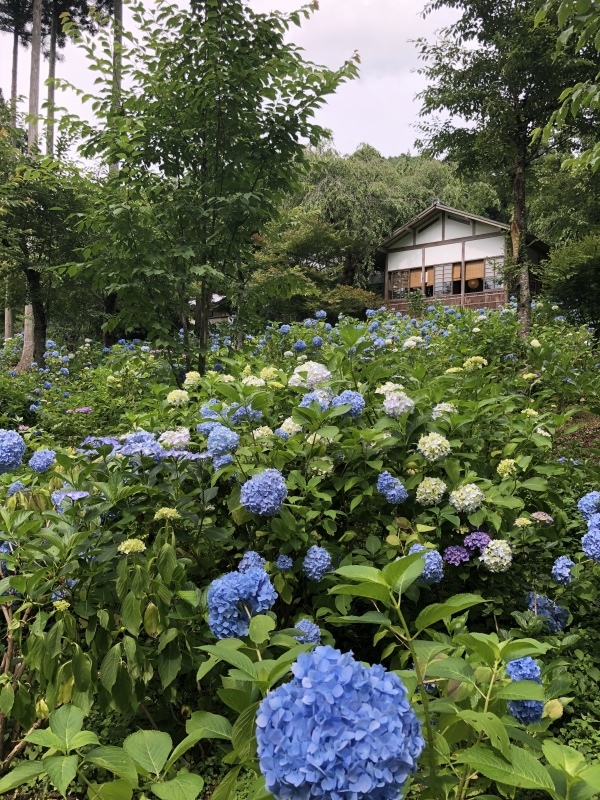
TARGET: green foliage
(572,278)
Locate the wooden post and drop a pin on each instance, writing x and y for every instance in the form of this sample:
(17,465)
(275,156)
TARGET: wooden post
(462,275)
(423,273)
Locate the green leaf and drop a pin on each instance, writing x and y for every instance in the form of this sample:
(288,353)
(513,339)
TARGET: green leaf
(563,757)
(232,657)
(358,573)
(7,698)
(523,770)
(149,749)
(185,786)
(110,666)
(214,726)
(438,611)
(451,668)
(82,669)
(169,664)
(115,790)
(46,739)
(61,770)
(371,590)
(23,773)
(402,573)
(131,616)
(491,726)
(65,723)
(242,734)
(260,628)
(521,690)
(523,647)
(534,485)
(227,786)
(84,739)
(152,624)
(115,760)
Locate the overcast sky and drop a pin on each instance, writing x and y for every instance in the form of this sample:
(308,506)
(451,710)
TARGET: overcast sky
(379,107)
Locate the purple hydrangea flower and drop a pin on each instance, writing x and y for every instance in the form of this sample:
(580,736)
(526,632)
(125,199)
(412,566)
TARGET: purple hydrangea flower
(456,555)
(478,540)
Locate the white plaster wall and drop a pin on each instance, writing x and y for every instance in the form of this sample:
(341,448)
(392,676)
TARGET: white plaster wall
(457,230)
(405,241)
(443,254)
(408,259)
(431,234)
(484,248)
(482,227)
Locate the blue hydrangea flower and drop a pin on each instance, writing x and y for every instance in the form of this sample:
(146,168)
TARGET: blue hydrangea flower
(251,559)
(222,461)
(524,669)
(33,408)
(321,314)
(205,428)
(207,411)
(593,524)
(589,504)
(16,487)
(62,593)
(561,570)
(391,488)
(12,450)
(283,435)
(433,572)
(64,360)
(299,345)
(58,497)
(370,312)
(234,598)
(50,344)
(222,440)
(373,326)
(312,632)
(13,373)
(555,616)
(47,385)
(284,563)
(317,342)
(590,544)
(337,731)
(264,493)
(354,399)
(526,712)
(316,563)
(284,329)
(63,371)
(244,414)
(318,396)
(42,460)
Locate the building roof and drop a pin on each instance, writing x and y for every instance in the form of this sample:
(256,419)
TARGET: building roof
(435,208)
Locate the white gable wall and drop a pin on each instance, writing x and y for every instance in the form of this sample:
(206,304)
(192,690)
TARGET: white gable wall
(443,254)
(433,233)
(483,227)
(484,248)
(457,230)
(406,259)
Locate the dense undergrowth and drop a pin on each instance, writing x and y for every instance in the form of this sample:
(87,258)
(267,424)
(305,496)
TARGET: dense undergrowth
(368,470)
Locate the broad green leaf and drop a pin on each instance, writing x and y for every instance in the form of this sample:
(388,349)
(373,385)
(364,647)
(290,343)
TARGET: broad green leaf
(84,739)
(7,698)
(82,669)
(523,769)
(242,734)
(591,776)
(23,773)
(370,618)
(438,611)
(152,624)
(451,668)
(65,722)
(402,573)
(534,485)
(149,749)
(169,664)
(563,757)
(260,628)
(491,725)
(521,690)
(227,786)
(115,760)
(61,770)
(45,739)
(115,790)
(131,616)
(522,647)
(110,666)
(185,786)
(372,590)
(232,657)
(358,573)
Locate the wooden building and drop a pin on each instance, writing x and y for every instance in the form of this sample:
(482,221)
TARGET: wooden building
(449,255)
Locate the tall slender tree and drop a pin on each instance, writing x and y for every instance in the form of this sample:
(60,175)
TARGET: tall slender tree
(494,76)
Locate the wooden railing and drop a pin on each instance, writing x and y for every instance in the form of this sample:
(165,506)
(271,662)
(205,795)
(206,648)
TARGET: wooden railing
(491,299)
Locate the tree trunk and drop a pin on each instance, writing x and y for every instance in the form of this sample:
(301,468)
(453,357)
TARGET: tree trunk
(109,303)
(9,322)
(201,323)
(34,76)
(13,82)
(28,339)
(117,65)
(34,284)
(51,87)
(349,270)
(518,235)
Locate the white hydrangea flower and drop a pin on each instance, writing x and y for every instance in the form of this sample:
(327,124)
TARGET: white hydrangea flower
(252,380)
(497,556)
(430,491)
(289,426)
(542,432)
(178,397)
(261,432)
(507,468)
(175,439)
(288,354)
(475,362)
(309,375)
(225,378)
(453,370)
(530,412)
(443,408)
(192,379)
(388,388)
(412,342)
(433,446)
(476,330)
(535,343)
(397,403)
(468,498)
